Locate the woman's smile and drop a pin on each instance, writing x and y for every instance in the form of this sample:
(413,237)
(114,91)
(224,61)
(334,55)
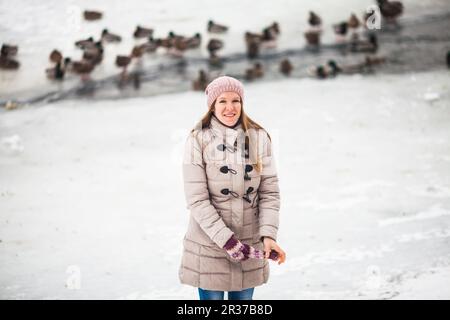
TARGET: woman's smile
(228,108)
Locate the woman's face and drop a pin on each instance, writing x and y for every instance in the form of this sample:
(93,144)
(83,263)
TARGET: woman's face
(228,108)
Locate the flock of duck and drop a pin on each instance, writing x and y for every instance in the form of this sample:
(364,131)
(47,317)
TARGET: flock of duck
(348,31)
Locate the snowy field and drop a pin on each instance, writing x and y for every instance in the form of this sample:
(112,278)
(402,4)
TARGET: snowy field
(94,190)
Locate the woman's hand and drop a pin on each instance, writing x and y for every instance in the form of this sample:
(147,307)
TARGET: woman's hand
(269,245)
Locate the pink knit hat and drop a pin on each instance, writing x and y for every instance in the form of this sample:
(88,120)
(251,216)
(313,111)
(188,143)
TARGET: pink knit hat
(223,84)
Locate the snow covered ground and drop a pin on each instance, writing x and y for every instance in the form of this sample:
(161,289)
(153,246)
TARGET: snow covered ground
(92,204)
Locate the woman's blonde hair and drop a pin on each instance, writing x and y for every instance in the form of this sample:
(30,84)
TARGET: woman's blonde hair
(246,123)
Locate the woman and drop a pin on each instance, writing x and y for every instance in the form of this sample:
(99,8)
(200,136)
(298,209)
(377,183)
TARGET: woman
(231,188)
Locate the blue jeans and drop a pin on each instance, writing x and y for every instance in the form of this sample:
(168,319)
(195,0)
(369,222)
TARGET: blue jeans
(246,294)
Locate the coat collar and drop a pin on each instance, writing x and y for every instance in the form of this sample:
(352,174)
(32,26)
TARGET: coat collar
(220,130)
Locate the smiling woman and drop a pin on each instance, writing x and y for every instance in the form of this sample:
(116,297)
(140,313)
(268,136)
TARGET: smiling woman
(234,215)
(228,108)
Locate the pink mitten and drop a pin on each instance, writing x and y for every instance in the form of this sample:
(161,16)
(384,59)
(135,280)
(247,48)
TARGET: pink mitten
(241,251)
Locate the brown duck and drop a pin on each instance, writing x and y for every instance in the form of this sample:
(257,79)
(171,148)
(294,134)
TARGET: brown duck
(194,42)
(83,68)
(314,20)
(286,67)
(55,56)
(255,72)
(89,42)
(142,32)
(6,62)
(253,42)
(214,45)
(216,28)
(312,37)
(110,37)
(353,22)
(91,15)
(201,82)
(149,46)
(9,50)
(390,10)
(94,54)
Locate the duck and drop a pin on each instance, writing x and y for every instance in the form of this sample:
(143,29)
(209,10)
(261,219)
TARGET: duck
(89,42)
(331,69)
(250,36)
(91,15)
(267,35)
(137,51)
(123,61)
(110,37)
(7,63)
(201,82)
(94,54)
(255,72)
(194,42)
(253,47)
(314,20)
(269,39)
(353,22)
(55,56)
(286,67)
(179,46)
(341,30)
(142,32)
(164,42)
(214,45)
(390,10)
(6,60)
(216,28)
(9,50)
(56,73)
(312,37)
(274,29)
(175,37)
(83,68)
(150,46)
(318,72)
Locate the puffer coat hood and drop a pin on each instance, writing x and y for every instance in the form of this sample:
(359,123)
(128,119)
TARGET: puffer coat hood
(226,195)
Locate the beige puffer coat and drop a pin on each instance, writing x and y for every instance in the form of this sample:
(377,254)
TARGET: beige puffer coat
(214,216)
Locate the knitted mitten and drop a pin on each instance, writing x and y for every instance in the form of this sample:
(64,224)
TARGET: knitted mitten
(273,255)
(241,251)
